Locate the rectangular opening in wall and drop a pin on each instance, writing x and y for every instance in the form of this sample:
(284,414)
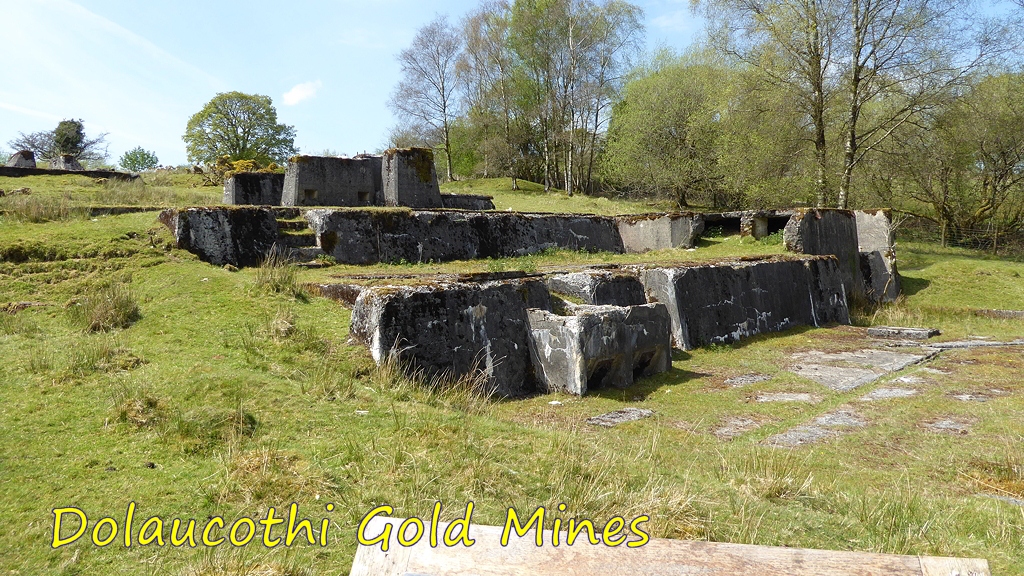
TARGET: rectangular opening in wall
(309,195)
(364,197)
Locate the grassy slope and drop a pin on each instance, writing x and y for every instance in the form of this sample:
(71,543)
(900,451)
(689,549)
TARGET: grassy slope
(82,416)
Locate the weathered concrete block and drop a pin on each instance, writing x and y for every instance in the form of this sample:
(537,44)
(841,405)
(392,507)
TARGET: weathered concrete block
(720,303)
(876,243)
(22,159)
(454,329)
(467,202)
(825,232)
(65,162)
(645,232)
(393,235)
(236,236)
(254,188)
(600,287)
(329,181)
(600,346)
(410,179)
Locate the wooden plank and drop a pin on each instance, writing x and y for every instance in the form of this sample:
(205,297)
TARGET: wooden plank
(659,557)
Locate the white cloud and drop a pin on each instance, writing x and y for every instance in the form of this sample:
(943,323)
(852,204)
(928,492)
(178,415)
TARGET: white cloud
(301,92)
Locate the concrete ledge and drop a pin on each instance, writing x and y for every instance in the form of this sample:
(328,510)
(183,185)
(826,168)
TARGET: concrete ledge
(394,235)
(239,236)
(645,232)
(467,202)
(600,346)
(722,303)
(454,329)
(600,287)
(13,172)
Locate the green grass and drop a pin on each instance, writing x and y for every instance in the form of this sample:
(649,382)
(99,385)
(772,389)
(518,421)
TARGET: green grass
(225,398)
(531,198)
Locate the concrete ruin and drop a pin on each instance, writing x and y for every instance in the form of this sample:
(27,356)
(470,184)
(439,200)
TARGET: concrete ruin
(410,178)
(722,303)
(599,346)
(22,159)
(454,329)
(254,188)
(753,223)
(645,232)
(238,236)
(65,162)
(330,181)
(395,235)
(600,287)
(461,328)
(876,244)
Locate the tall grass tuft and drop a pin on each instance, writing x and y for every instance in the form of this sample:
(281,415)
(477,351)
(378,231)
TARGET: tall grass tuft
(104,308)
(42,209)
(277,275)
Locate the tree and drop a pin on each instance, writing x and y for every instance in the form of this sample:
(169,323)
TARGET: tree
(240,126)
(67,138)
(860,68)
(138,159)
(428,91)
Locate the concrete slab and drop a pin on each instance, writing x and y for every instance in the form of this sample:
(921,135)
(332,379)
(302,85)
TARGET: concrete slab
(787,397)
(899,332)
(840,379)
(645,232)
(735,426)
(888,394)
(747,379)
(949,426)
(600,287)
(884,360)
(800,436)
(621,416)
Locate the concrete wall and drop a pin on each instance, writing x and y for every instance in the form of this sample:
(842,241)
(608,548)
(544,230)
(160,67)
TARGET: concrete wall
(467,202)
(237,236)
(721,303)
(328,181)
(876,243)
(410,179)
(823,232)
(596,347)
(601,287)
(644,232)
(254,188)
(454,329)
(369,236)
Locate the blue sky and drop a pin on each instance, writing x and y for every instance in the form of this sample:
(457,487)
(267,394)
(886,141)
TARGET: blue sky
(137,69)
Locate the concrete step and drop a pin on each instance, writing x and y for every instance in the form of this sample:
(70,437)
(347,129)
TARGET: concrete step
(287,239)
(292,224)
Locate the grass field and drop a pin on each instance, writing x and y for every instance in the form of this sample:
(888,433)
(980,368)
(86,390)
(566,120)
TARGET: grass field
(140,374)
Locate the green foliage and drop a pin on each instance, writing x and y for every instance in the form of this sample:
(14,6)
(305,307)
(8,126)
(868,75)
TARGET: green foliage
(68,137)
(240,126)
(138,159)
(278,275)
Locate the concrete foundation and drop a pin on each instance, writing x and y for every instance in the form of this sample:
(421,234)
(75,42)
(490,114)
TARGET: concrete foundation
(467,202)
(236,236)
(600,287)
(721,303)
(599,346)
(329,181)
(254,188)
(876,243)
(22,159)
(824,232)
(645,232)
(66,162)
(455,329)
(369,236)
(410,179)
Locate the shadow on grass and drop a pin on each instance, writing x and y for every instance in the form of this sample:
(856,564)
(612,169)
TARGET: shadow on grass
(912,286)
